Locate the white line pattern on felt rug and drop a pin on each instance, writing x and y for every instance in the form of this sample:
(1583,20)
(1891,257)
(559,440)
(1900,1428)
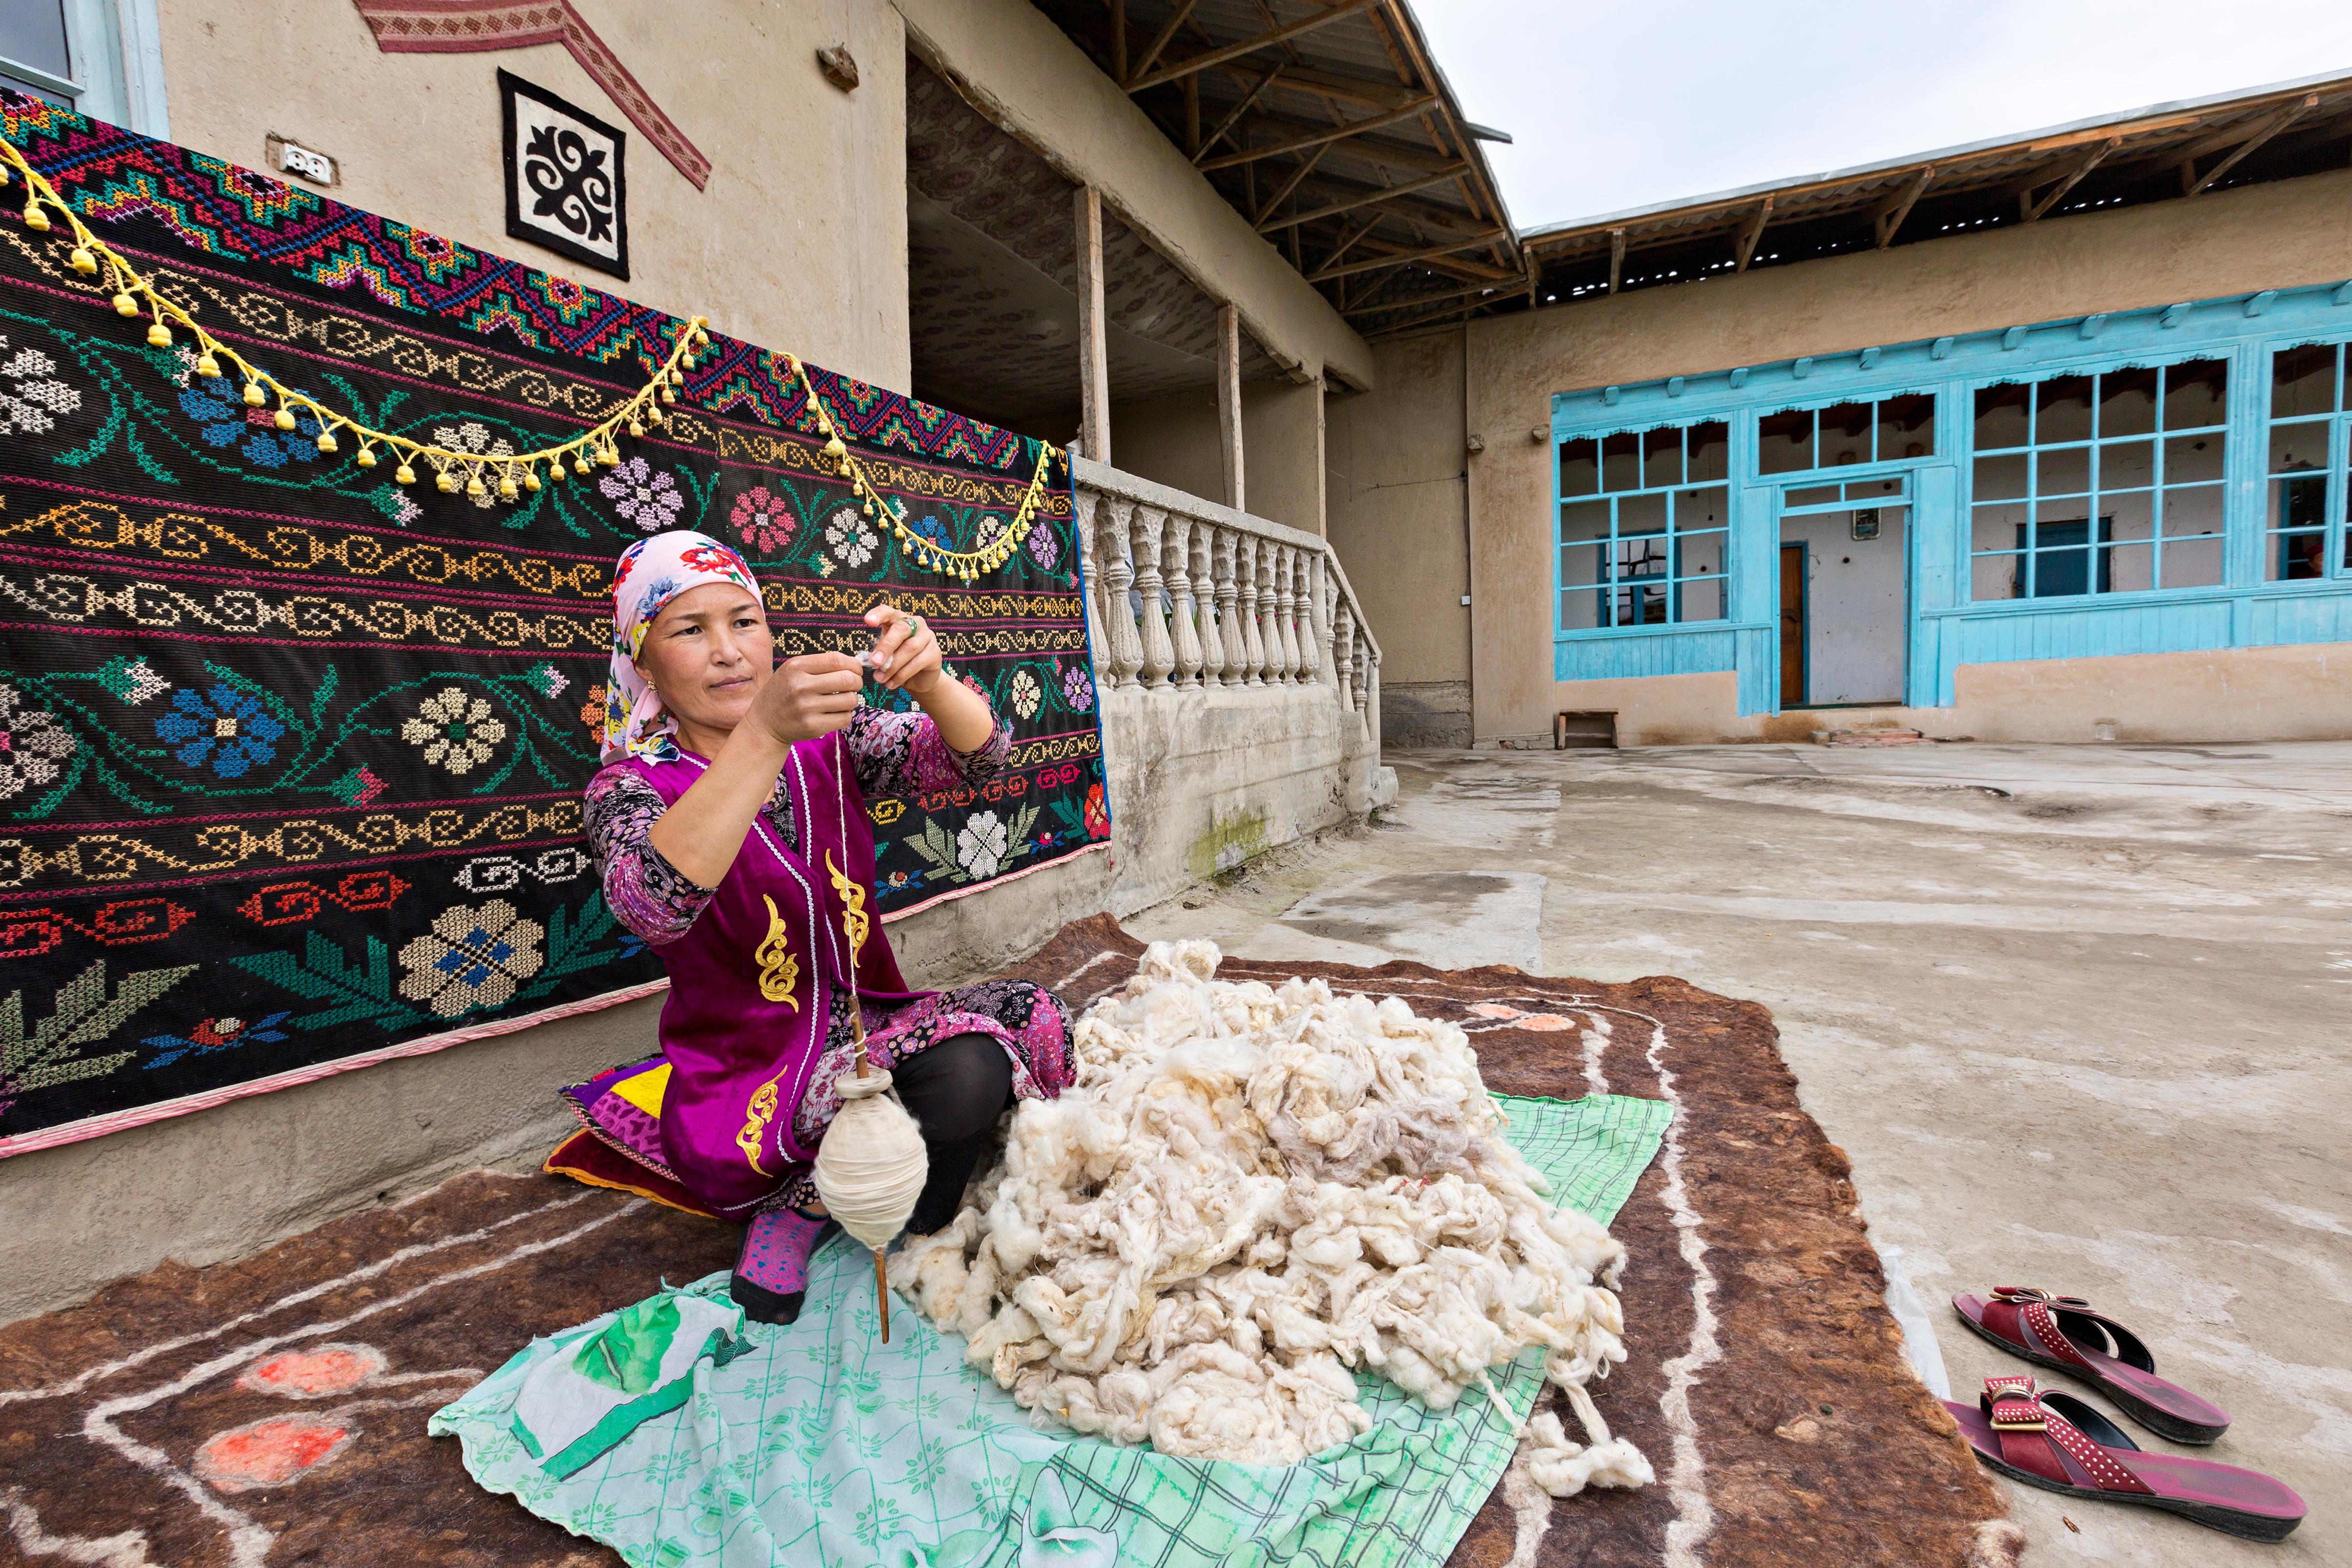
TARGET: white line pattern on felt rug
(89,1376)
(1687,1481)
(128,1549)
(250,1541)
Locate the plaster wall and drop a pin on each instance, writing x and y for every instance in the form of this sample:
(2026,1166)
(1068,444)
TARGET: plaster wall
(799,242)
(1175,441)
(2290,233)
(1023,73)
(2302,692)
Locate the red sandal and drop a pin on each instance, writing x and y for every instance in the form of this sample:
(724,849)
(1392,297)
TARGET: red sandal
(2064,1333)
(2058,1443)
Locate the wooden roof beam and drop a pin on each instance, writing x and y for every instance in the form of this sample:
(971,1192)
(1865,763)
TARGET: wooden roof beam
(2067,176)
(1744,247)
(1420,160)
(1306,167)
(1429,252)
(1145,76)
(1318,138)
(1616,257)
(2190,183)
(1347,89)
(1166,35)
(1891,212)
(1233,116)
(1363,199)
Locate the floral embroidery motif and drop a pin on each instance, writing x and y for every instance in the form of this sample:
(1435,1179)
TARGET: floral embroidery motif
(33,744)
(779,970)
(223,420)
(473,959)
(214,1034)
(226,728)
(762,521)
(851,540)
(1043,546)
(549,680)
(1077,689)
(642,497)
(133,680)
(473,436)
(455,731)
(31,393)
(1026,693)
(591,712)
(1098,814)
(981,846)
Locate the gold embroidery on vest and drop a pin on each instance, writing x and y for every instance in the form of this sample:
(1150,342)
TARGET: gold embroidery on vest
(755,1125)
(779,970)
(853,898)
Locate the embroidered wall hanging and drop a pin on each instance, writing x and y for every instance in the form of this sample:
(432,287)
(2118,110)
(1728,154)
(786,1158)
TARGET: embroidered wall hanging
(566,188)
(291,752)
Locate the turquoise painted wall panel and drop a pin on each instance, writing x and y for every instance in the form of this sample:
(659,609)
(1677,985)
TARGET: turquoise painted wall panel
(2300,618)
(2098,632)
(1691,652)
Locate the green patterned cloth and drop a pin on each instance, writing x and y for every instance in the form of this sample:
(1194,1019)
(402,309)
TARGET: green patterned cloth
(822,1445)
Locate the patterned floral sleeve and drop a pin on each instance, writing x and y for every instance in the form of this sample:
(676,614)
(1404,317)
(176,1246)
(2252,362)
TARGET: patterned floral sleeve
(903,754)
(644,892)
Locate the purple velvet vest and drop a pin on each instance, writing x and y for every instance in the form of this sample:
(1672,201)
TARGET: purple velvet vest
(752,982)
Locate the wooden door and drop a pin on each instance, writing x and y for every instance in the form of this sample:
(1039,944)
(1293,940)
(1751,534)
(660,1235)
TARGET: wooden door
(1793,625)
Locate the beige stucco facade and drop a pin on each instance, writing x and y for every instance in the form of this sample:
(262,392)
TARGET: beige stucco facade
(2277,235)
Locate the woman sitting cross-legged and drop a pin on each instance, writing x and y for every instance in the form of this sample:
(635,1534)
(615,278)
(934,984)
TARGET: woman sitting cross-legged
(730,828)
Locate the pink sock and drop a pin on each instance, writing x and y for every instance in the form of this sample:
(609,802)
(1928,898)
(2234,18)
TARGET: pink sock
(773,1264)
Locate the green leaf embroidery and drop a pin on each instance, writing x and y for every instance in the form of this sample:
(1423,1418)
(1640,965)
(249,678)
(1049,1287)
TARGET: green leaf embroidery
(84,1015)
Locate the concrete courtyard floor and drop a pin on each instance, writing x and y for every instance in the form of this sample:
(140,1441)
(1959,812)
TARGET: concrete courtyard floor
(2081,1016)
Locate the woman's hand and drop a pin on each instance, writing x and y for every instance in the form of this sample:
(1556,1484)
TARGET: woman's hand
(807,697)
(906,657)
(906,654)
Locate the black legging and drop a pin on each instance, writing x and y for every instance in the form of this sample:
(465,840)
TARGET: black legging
(955,1091)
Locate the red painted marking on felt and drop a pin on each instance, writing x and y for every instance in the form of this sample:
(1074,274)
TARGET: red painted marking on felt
(268,1453)
(329,1369)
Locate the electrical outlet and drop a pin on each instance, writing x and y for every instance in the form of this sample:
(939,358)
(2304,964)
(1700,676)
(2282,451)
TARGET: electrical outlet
(316,167)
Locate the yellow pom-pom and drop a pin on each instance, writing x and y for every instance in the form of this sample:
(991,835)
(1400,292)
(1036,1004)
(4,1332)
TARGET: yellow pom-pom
(83,262)
(254,396)
(4,176)
(326,441)
(285,418)
(207,365)
(580,464)
(636,427)
(365,458)
(446,482)
(835,450)
(508,490)
(159,336)
(530,479)
(35,219)
(474,487)
(653,414)
(669,396)
(403,475)
(609,456)
(124,305)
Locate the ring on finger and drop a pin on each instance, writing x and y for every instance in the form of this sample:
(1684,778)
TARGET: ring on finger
(913,624)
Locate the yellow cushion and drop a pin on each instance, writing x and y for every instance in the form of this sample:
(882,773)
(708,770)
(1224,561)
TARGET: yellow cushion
(645,1090)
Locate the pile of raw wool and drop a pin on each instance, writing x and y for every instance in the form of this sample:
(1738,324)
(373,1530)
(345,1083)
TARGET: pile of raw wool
(1247,1192)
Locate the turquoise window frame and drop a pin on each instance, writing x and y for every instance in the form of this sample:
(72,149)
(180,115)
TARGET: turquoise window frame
(1949,630)
(1672,534)
(2336,428)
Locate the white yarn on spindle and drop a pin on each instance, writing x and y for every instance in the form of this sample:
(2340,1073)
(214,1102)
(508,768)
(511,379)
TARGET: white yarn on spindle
(871,1168)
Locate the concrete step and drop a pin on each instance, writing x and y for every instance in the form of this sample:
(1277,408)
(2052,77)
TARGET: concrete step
(1869,734)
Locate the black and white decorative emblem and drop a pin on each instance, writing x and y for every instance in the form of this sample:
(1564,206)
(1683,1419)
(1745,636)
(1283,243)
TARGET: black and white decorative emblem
(565,188)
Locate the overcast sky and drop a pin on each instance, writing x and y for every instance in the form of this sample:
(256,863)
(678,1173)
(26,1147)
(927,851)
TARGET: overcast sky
(1615,105)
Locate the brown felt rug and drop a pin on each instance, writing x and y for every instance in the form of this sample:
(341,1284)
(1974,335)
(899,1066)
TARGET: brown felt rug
(271,1412)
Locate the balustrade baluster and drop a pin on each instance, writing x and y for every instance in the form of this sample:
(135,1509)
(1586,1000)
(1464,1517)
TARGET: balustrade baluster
(1269,611)
(1090,582)
(1176,551)
(1229,615)
(1202,538)
(1159,654)
(1253,639)
(1343,674)
(1118,576)
(1294,607)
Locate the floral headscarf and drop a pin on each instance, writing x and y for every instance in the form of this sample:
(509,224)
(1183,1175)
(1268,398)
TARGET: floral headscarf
(650,574)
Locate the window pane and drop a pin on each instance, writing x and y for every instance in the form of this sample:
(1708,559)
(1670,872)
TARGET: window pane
(2127,402)
(2293,557)
(1580,565)
(2000,478)
(1906,426)
(1785,442)
(2065,472)
(1710,452)
(1845,433)
(2131,516)
(2196,564)
(2126,465)
(1641,515)
(2000,416)
(1662,457)
(1621,462)
(1702,599)
(2189,458)
(2195,393)
(1581,611)
(1815,495)
(1699,555)
(2298,448)
(2192,509)
(1995,576)
(2303,381)
(2062,409)
(33,33)
(1584,520)
(2300,503)
(1993,527)
(1580,467)
(1704,509)
(2127,568)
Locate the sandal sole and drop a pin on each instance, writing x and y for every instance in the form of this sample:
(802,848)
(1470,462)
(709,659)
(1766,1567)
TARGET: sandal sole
(2229,1522)
(2168,1426)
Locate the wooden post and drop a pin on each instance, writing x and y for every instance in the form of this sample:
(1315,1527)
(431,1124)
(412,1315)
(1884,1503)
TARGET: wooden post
(1229,402)
(1094,353)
